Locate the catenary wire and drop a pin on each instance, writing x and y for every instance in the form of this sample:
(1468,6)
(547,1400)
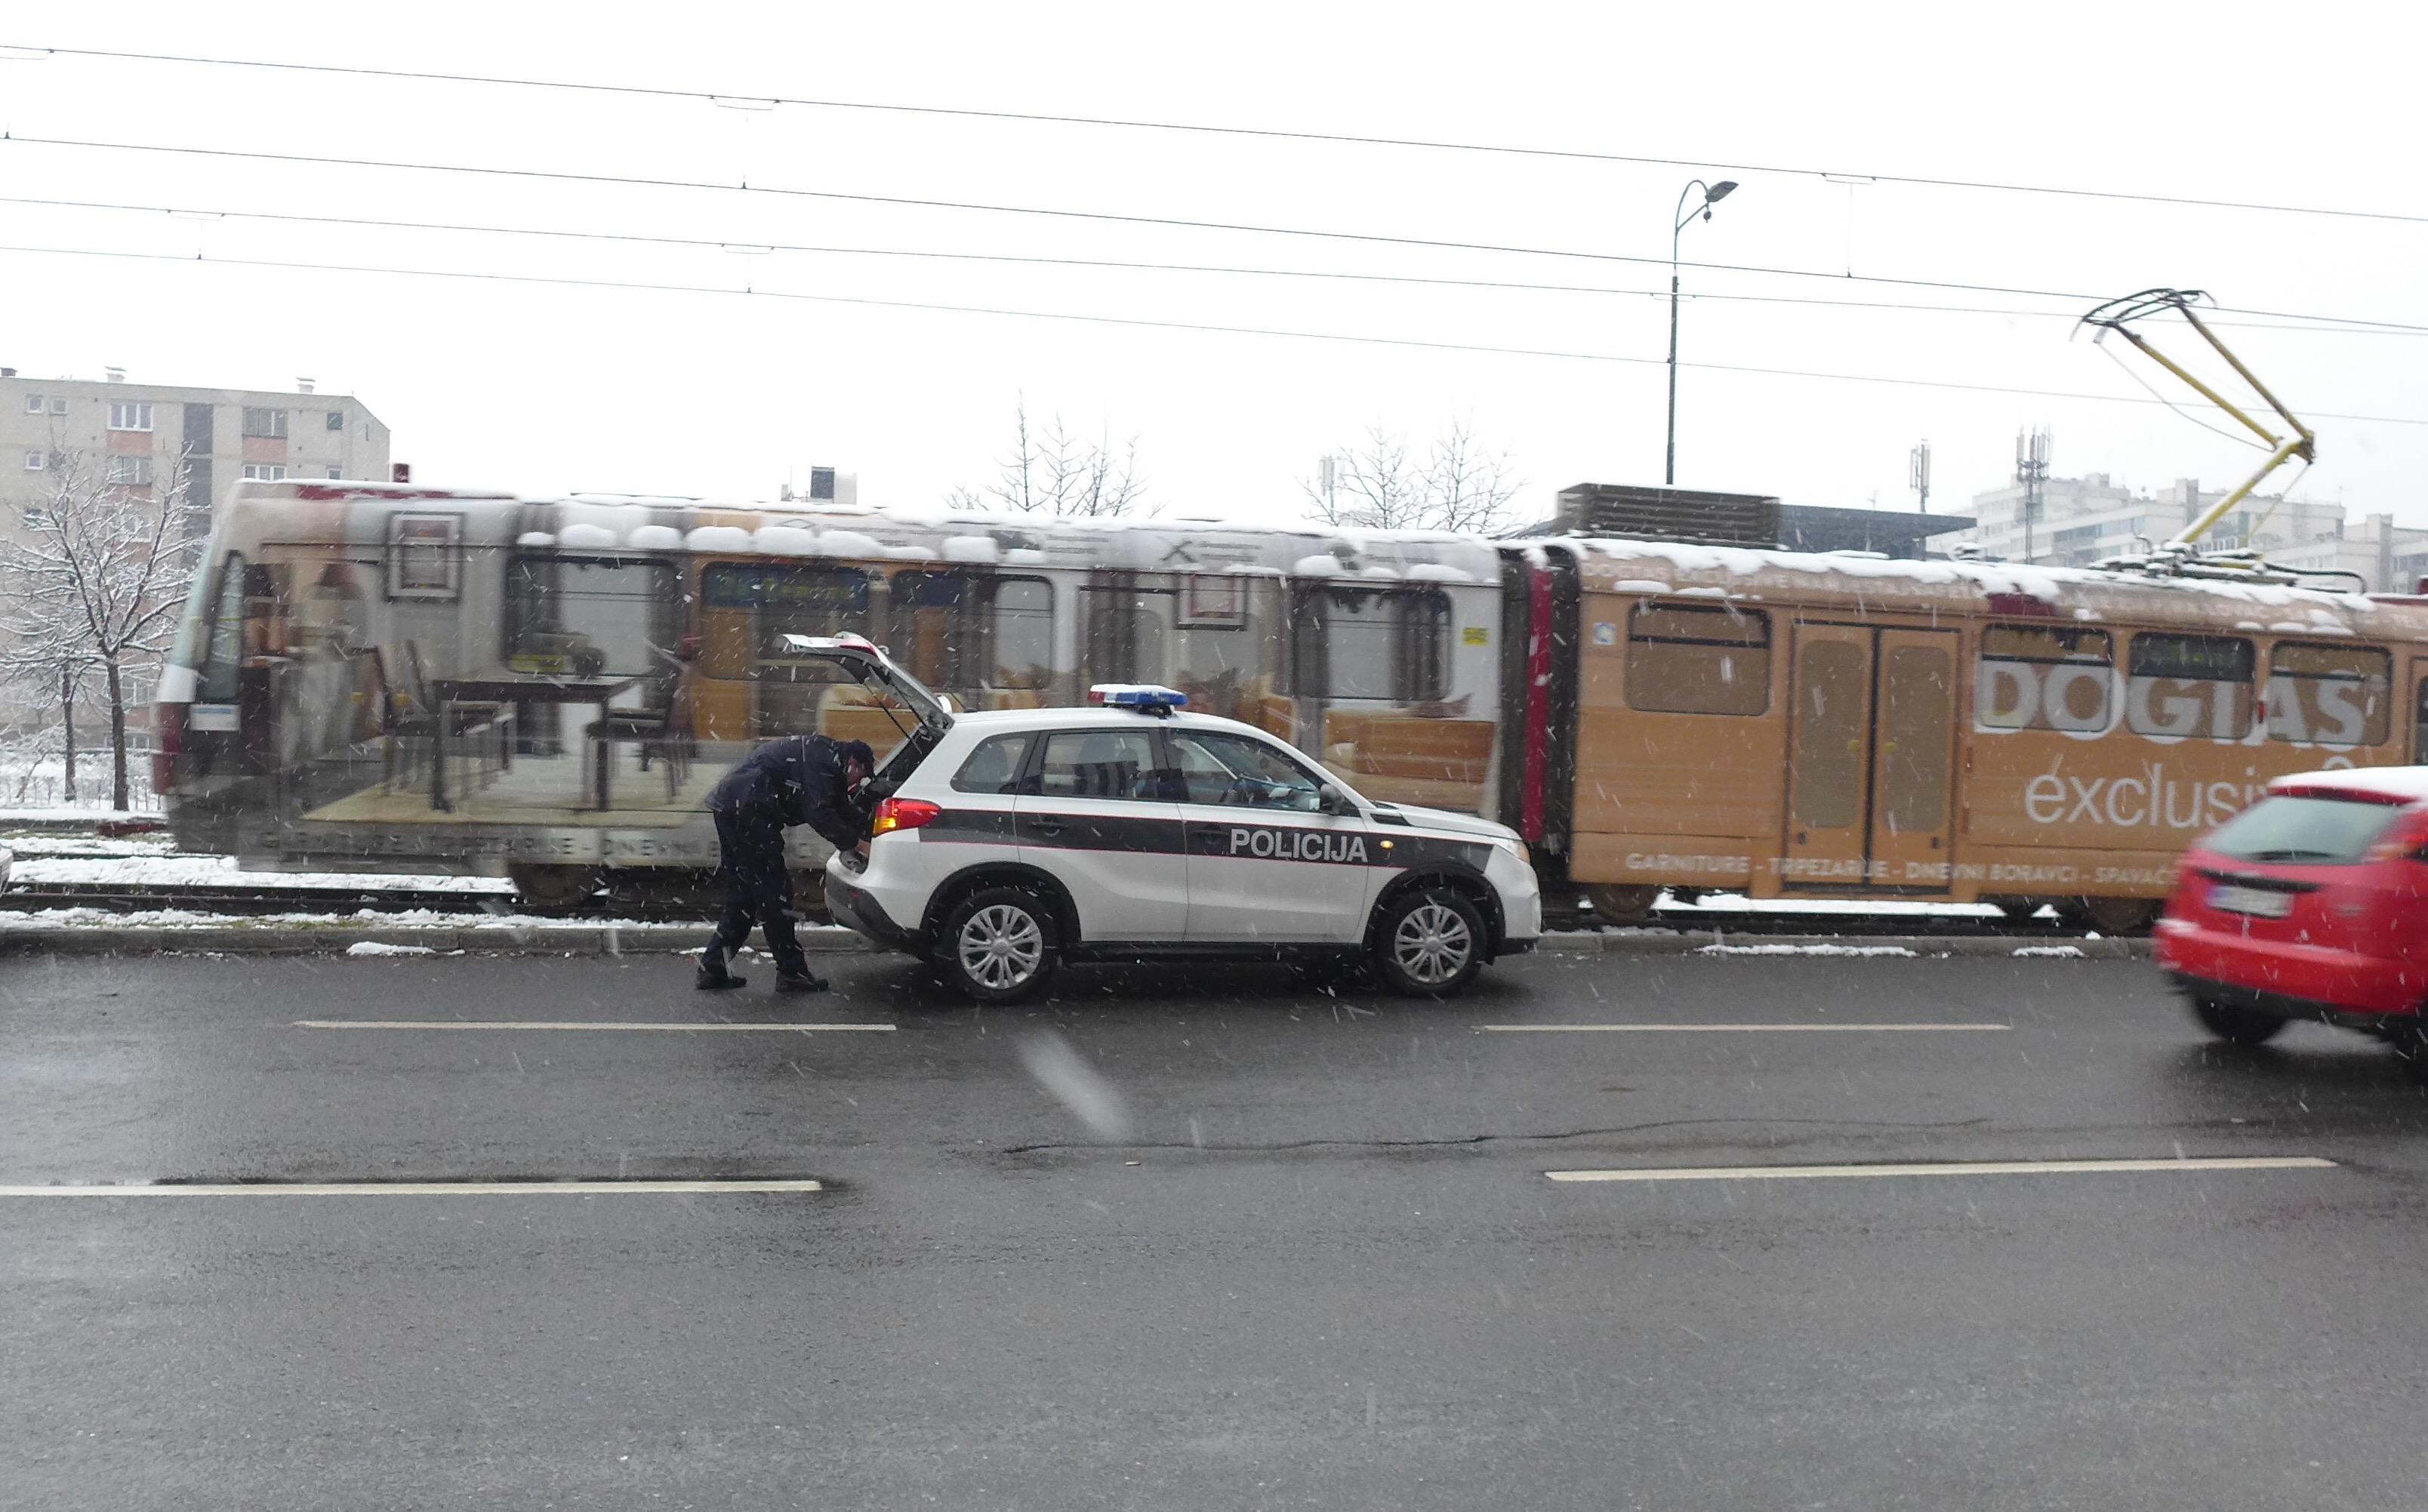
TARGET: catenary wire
(754,292)
(628,180)
(1269,132)
(738,244)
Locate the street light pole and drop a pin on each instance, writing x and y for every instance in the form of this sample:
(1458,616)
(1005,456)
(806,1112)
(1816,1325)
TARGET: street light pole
(1713,195)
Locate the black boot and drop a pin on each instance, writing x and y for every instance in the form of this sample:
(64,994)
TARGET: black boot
(802,983)
(717,979)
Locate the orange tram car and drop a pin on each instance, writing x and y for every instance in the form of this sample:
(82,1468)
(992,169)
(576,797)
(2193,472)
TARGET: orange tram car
(385,677)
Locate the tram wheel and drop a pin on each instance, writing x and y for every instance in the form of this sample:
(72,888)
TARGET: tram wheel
(2111,915)
(1622,905)
(553,887)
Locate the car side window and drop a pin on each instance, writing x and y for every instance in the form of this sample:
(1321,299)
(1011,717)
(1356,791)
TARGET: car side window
(1100,764)
(994,766)
(1233,771)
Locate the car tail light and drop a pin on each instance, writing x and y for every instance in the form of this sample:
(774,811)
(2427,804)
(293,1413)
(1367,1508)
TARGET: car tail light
(168,739)
(903,813)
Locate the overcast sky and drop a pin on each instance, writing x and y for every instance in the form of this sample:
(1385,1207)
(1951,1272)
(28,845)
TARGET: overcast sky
(538,388)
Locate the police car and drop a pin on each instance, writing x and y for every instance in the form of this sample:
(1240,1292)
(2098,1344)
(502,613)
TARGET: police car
(1005,843)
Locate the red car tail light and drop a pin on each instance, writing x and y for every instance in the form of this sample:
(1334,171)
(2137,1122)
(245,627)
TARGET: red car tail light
(903,813)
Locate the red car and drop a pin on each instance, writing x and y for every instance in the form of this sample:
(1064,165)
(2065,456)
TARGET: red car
(2312,904)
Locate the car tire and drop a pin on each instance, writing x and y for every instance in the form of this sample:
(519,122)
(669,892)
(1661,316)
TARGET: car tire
(2237,1026)
(1428,941)
(999,945)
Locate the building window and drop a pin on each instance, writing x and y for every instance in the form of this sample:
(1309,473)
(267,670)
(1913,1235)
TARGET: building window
(266,422)
(822,483)
(264,471)
(33,404)
(59,404)
(34,461)
(130,416)
(1698,660)
(132,472)
(335,472)
(336,421)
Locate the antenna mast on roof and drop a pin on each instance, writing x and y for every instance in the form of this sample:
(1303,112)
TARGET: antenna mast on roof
(2175,554)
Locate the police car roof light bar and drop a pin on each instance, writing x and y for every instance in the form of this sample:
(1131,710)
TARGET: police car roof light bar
(1145,698)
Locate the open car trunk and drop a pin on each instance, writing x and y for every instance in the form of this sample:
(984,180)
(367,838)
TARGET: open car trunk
(923,715)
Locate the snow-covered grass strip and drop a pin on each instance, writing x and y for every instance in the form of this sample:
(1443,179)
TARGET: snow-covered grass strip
(376,947)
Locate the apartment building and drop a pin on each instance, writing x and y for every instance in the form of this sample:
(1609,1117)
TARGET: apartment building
(138,434)
(2083,519)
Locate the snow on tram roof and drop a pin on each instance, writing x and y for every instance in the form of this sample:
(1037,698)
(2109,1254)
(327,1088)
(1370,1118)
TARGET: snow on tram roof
(1630,565)
(596,522)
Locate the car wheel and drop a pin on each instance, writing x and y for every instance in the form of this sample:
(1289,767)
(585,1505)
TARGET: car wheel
(999,946)
(2236,1026)
(1428,941)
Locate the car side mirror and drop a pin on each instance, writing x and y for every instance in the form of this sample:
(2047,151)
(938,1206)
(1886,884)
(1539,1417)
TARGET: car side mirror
(1332,801)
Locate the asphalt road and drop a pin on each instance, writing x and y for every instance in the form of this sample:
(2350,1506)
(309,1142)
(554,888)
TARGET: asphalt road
(1196,1238)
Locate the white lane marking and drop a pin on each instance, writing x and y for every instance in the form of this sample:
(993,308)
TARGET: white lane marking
(411,1188)
(1745,1029)
(576,1024)
(1948,1168)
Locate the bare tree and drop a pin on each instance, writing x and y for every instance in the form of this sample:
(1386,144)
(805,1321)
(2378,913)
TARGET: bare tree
(1379,485)
(94,581)
(1052,471)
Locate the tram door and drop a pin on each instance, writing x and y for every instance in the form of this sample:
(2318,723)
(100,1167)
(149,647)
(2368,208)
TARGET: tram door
(1870,757)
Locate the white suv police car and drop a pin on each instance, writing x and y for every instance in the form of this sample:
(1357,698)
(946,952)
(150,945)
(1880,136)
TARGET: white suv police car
(1007,842)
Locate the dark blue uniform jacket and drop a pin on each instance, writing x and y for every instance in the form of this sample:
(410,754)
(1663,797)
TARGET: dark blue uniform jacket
(798,779)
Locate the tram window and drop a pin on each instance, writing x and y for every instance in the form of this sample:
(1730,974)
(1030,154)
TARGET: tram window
(1021,621)
(2419,724)
(1125,635)
(1918,701)
(746,609)
(589,616)
(227,633)
(2190,685)
(2045,677)
(1682,660)
(969,630)
(2333,694)
(1384,645)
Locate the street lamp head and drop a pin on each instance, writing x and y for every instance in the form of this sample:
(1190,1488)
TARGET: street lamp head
(1719,191)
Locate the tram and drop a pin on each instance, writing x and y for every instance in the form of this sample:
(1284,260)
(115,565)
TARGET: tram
(392,678)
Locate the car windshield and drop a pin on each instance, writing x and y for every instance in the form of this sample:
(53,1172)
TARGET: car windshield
(2303,829)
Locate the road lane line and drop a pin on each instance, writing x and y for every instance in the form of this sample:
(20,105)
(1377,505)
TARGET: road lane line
(553,1026)
(1745,1029)
(411,1188)
(1948,1168)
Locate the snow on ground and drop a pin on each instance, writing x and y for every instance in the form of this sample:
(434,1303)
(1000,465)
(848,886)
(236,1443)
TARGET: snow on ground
(1739,903)
(374,947)
(160,869)
(1803,951)
(362,918)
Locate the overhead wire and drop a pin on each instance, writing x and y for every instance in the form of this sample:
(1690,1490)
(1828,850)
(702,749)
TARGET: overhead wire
(754,292)
(629,180)
(745,245)
(1271,133)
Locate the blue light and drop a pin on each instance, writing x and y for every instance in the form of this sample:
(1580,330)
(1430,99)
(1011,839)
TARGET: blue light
(1136,695)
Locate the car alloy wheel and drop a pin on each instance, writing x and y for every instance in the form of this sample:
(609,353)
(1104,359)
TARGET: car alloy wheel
(1431,944)
(1001,947)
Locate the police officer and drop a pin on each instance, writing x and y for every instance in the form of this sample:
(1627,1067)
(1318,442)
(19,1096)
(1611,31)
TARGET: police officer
(798,779)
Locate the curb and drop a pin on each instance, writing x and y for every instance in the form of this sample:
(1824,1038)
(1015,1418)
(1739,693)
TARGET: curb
(603,939)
